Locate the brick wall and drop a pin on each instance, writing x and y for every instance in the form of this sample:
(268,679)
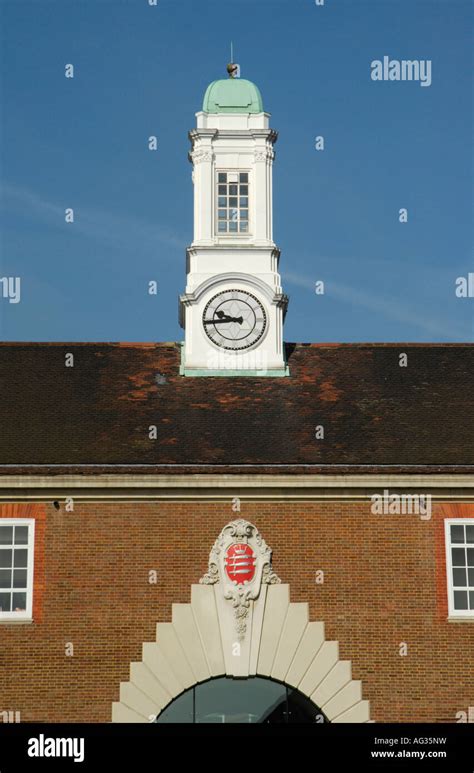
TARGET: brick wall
(384,584)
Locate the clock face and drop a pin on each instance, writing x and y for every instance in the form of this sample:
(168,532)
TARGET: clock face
(234,319)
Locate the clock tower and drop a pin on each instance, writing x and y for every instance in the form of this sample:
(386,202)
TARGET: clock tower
(233,308)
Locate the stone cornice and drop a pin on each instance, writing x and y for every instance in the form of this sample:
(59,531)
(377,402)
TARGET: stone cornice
(223,487)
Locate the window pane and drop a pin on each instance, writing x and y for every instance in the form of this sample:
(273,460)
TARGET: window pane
(244,202)
(457,533)
(471,599)
(222,201)
(244,177)
(19,578)
(255,700)
(222,225)
(233,201)
(21,558)
(6,535)
(460,599)
(5,578)
(233,225)
(234,214)
(19,602)
(21,535)
(6,558)
(247,701)
(222,214)
(470,577)
(180,710)
(232,178)
(244,214)
(459,556)
(244,226)
(469,533)
(459,577)
(5,602)
(244,190)
(233,190)
(470,556)
(222,177)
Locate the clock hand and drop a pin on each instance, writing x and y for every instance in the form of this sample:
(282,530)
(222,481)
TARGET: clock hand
(223,319)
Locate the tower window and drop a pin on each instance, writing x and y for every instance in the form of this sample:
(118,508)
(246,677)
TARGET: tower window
(232,202)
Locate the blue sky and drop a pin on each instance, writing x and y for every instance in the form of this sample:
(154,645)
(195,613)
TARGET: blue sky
(142,70)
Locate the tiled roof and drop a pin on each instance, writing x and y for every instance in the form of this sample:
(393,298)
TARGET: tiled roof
(374,413)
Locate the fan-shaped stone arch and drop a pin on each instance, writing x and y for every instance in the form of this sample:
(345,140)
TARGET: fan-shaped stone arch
(282,644)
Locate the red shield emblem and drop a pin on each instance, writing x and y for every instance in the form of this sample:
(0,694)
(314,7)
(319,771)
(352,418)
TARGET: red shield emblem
(240,563)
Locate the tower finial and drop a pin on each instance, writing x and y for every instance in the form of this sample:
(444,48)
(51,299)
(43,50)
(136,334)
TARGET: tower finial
(232,69)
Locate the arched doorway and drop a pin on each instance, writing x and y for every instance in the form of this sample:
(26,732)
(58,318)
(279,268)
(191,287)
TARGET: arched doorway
(254,700)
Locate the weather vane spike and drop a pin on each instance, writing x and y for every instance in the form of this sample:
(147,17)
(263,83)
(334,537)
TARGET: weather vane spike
(232,69)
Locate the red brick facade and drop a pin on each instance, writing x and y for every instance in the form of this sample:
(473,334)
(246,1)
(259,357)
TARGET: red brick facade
(384,584)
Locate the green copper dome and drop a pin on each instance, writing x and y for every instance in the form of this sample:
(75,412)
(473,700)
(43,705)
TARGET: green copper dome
(232,95)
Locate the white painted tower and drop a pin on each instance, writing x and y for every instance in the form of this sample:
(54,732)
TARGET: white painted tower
(233,308)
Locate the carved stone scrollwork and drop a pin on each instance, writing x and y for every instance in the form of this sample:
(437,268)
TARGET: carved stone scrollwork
(200,155)
(241,604)
(263,155)
(241,561)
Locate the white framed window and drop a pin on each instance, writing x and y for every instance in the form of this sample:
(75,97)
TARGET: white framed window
(232,202)
(17,537)
(460,566)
